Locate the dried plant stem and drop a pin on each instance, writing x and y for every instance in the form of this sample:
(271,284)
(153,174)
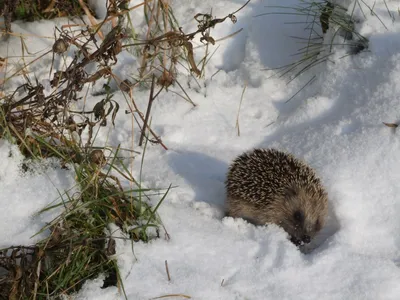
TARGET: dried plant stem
(136,109)
(166,268)
(240,105)
(146,120)
(39,267)
(119,14)
(91,18)
(172,295)
(21,69)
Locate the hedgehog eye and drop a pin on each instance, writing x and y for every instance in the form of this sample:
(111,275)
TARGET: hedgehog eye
(298,216)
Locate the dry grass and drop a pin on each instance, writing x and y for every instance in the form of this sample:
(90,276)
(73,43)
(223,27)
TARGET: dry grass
(30,10)
(330,27)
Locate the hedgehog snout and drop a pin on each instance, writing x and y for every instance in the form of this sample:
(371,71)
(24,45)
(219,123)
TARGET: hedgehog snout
(306,239)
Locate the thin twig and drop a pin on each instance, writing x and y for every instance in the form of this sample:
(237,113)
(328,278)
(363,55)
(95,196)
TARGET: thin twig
(172,295)
(167,236)
(166,268)
(146,119)
(142,118)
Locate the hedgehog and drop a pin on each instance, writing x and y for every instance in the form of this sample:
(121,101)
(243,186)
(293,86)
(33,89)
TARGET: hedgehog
(270,186)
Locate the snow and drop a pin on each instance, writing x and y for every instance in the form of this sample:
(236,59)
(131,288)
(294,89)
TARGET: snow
(335,124)
(24,193)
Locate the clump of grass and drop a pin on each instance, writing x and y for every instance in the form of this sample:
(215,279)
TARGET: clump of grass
(30,10)
(82,244)
(329,27)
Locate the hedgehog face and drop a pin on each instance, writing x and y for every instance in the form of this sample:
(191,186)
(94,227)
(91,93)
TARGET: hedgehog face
(303,230)
(303,215)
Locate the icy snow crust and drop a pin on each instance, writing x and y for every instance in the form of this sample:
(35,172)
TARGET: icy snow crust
(335,125)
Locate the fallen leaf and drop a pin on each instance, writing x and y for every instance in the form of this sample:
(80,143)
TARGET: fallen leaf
(392,125)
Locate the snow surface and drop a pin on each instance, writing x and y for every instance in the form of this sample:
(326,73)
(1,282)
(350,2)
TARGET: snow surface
(24,193)
(335,124)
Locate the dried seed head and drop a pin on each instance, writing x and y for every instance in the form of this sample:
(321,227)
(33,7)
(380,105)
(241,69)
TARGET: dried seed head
(166,79)
(60,46)
(125,86)
(97,157)
(117,47)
